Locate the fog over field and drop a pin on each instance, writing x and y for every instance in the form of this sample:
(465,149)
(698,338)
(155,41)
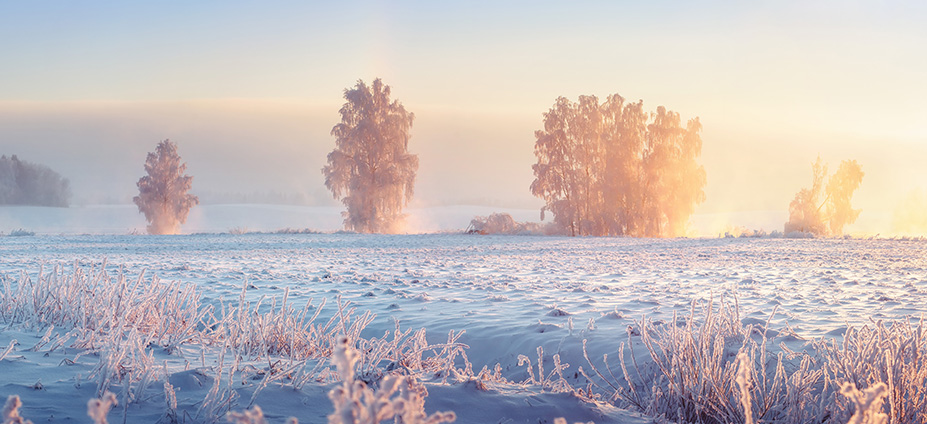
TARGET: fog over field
(774,87)
(272,152)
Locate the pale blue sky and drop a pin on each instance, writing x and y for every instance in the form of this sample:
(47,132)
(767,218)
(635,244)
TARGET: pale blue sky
(775,83)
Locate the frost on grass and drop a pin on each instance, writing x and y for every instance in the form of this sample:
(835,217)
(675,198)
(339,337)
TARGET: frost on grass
(868,403)
(355,402)
(122,322)
(10,413)
(98,409)
(744,368)
(708,367)
(715,369)
(253,416)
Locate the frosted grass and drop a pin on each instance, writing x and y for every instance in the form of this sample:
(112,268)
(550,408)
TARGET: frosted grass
(708,326)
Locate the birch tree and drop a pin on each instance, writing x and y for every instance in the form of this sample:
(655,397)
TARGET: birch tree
(556,172)
(825,209)
(840,188)
(613,169)
(371,170)
(163,194)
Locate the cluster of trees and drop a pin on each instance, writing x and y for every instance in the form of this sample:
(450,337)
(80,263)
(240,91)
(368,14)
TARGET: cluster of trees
(26,183)
(825,209)
(163,193)
(370,170)
(611,168)
(603,168)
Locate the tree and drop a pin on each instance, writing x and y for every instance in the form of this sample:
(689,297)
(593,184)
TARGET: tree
(25,183)
(556,171)
(840,188)
(809,214)
(163,193)
(613,169)
(675,181)
(371,169)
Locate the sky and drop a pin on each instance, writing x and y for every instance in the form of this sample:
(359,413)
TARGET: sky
(250,91)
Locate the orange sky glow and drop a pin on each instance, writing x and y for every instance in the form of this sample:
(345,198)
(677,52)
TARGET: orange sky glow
(250,93)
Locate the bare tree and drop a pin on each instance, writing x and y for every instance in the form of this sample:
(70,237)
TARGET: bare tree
(809,213)
(613,169)
(163,193)
(26,183)
(371,169)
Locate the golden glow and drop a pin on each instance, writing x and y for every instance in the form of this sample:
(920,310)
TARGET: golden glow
(252,93)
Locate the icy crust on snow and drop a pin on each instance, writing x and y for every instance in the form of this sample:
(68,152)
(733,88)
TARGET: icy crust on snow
(509,282)
(514,290)
(510,294)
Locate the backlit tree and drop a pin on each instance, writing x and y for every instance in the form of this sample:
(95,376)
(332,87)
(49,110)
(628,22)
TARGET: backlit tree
(163,193)
(613,169)
(809,213)
(371,169)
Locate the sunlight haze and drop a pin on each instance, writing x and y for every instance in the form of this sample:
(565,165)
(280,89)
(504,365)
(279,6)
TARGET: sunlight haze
(250,92)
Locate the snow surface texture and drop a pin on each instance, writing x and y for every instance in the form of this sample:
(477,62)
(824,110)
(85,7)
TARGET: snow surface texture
(223,218)
(517,299)
(240,218)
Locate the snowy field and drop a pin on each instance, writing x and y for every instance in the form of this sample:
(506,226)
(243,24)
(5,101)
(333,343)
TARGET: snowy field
(125,219)
(508,295)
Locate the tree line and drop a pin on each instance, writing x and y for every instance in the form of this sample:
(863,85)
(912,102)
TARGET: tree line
(26,183)
(604,168)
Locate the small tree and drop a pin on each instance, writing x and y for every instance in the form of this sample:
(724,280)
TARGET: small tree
(840,188)
(808,213)
(163,193)
(371,169)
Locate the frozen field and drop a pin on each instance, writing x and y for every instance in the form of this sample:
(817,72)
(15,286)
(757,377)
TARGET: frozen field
(510,295)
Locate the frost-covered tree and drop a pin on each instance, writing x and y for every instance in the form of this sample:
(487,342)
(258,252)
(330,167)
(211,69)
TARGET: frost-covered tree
(163,193)
(613,169)
(840,188)
(809,213)
(674,181)
(805,209)
(25,183)
(557,171)
(371,169)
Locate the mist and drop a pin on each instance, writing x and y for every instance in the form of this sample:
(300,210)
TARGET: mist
(260,151)
(272,151)
(910,215)
(26,183)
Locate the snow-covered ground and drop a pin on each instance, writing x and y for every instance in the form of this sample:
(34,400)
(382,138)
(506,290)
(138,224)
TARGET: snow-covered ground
(125,219)
(222,218)
(510,294)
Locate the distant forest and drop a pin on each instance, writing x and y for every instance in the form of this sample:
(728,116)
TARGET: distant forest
(32,184)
